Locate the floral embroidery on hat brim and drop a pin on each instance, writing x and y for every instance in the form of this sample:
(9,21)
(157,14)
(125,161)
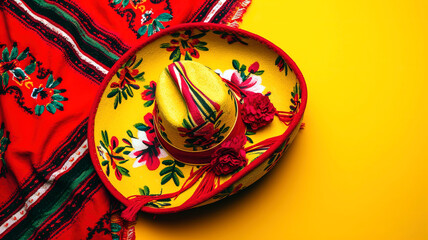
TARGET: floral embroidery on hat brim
(148,164)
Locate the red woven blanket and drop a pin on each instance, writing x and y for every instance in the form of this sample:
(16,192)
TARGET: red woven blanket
(53,56)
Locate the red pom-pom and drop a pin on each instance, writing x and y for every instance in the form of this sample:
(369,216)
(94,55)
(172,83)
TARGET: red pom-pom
(257,111)
(230,156)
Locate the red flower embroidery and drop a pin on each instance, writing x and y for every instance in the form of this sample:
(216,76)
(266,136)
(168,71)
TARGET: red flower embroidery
(257,111)
(147,149)
(254,67)
(126,78)
(149,93)
(185,44)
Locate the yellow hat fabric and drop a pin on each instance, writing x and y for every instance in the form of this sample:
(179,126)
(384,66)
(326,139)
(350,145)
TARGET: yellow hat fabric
(124,147)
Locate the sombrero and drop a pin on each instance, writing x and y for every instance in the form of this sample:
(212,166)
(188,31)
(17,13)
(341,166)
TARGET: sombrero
(192,115)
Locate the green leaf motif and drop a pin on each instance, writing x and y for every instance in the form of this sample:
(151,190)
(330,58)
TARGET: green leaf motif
(56,83)
(140,76)
(116,102)
(150,30)
(119,149)
(104,135)
(258,73)
(51,108)
(50,81)
(197,36)
(58,105)
(141,127)
(142,30)
(113,93)
(179,172)
(175,55)
(58,97)
(278,60)
(130,134)
(5,79)
(202,48)
(5,55)
(138,63)
(187,56)
(123,171)
(39,109)
(159,25)
(23,55)
(125,3)
(30,68)
(172,171)
(235,64)
(164,17)
(167,162)
(166,170)
(14,52)
(176,180)
(148,103)
(124,94)
(243,68)
(166,179)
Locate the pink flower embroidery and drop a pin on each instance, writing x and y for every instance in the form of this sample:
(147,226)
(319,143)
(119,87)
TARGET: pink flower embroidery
(252,83)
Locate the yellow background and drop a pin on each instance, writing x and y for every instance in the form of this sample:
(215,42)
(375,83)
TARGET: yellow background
(358,170)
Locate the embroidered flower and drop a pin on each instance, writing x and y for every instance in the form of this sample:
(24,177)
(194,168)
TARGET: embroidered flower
(48,96)
(232,37)
(128,75)
(149,94)
(230,156)
(110,151)
(250,82)
(185,45)
(147,149)
(257,111)
(126,78)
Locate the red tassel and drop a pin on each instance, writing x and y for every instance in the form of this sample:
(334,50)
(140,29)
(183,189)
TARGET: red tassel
(138,202)
(207,185)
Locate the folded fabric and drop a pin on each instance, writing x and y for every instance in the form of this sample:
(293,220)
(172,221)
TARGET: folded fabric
(54,55)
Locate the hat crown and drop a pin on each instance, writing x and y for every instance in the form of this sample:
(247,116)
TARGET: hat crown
(195,109)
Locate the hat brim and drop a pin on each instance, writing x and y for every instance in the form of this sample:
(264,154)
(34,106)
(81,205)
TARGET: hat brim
(121,112)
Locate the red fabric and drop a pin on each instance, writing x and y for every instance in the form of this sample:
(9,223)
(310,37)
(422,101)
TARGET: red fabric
(45,167)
